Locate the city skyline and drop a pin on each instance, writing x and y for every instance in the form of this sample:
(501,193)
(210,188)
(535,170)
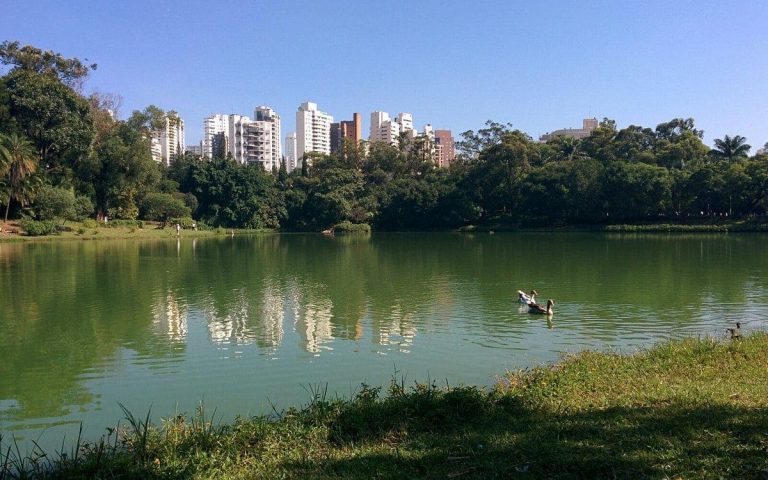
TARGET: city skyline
(541,67)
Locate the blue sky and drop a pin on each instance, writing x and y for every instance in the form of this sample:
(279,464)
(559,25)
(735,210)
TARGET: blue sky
(540,65)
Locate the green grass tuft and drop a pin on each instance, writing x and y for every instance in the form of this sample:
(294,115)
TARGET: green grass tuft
(682,409)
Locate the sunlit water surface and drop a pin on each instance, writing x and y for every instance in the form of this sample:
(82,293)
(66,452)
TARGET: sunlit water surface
(250,324)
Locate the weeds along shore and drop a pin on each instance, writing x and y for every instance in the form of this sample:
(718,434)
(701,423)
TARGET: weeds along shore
(691,408)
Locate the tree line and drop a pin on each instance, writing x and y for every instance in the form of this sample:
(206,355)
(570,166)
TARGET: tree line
(65,155)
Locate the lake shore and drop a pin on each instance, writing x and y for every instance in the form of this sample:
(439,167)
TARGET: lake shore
(692,408)
(12,231)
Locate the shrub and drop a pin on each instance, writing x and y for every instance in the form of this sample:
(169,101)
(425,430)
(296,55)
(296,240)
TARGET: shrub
(80,231)
(54,203)
(90,223)
(163,207)
(124,223)
(36,228)
(83,208)
(184,222)
(349,227)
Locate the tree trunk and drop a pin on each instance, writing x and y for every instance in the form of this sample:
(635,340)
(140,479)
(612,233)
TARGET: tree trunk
(7,207)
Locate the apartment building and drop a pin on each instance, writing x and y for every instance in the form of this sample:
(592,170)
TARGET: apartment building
(313,130)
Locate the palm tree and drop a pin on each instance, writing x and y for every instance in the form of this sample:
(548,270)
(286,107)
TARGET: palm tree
(18,160)
(731,149)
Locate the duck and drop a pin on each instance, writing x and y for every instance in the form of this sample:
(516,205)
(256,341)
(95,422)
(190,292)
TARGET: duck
(536,308)
(526,298)
(735,332)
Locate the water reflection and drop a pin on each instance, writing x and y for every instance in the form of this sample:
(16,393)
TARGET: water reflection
(169,317)
(81,322)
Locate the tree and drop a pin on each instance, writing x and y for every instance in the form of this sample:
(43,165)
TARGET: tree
(52,203)
(600,143)
(500,170)
(53,117)
(635,191)
(71,71)
(162,206)
(17,163)
(471,143)
(635,144)
(676,128)
(731,149)
(120,172)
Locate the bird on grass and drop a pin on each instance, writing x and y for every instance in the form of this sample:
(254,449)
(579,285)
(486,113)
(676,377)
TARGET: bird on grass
(734,332)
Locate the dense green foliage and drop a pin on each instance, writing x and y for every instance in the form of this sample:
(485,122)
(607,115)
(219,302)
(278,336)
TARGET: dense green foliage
(36,228)
(636,174)
(684,409)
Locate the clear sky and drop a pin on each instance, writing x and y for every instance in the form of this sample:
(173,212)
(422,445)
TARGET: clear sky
(541,65)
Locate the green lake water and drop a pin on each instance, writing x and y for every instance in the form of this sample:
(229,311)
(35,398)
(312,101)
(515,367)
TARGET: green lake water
(248,324)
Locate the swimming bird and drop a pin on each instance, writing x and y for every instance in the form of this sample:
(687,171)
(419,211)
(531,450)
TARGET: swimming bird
(523,297)
(735,332)
(536,308)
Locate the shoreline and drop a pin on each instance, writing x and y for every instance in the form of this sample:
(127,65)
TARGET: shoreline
(150,230)
(691,408)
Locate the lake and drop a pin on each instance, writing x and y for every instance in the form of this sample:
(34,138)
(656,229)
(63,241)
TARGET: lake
(248,324)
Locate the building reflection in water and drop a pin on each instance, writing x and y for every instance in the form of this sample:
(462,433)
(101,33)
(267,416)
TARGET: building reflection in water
(258,317)
(313,324)
(169,318)
(397,328)
(248,321)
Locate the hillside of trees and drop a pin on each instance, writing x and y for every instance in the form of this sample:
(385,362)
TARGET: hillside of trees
(64,155)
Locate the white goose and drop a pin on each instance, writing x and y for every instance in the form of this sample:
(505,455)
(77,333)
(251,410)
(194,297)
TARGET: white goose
(526,298)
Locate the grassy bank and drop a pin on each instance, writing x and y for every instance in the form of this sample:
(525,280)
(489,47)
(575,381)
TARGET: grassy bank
(684,409)
(713,225)
(13,232)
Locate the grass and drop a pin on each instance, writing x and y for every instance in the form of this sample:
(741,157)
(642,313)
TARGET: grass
(693,225)
(693,408)
(77,231)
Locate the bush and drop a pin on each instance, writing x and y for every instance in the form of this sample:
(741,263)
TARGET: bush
(349,227)
(163,207)
(36,228)
(83,208)
(125,223)
(55,203)
(90,223)
(184,222)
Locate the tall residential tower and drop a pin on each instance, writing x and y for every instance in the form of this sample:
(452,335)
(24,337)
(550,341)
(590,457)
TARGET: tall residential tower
(313,130)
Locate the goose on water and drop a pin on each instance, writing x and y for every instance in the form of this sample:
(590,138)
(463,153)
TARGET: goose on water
(536,308)
(527,298)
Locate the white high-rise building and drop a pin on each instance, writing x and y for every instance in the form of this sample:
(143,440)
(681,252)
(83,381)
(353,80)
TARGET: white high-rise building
(405,121)
(291,160)
(384,129)
(216,123)
(266,114)
(313,130)
(168,141)
(252,141)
